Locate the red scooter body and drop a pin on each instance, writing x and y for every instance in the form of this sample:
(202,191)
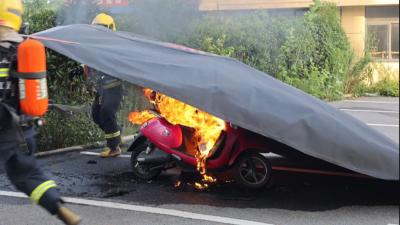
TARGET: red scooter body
(162,133)
(234,141)
(162,145)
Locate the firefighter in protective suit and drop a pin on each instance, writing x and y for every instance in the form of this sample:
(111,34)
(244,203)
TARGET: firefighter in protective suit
(21,168)
(109,93)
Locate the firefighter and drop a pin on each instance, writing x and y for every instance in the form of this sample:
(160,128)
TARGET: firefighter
(21,169)
(109,93)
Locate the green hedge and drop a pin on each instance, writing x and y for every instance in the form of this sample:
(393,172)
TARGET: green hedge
(61,129)
(385,87)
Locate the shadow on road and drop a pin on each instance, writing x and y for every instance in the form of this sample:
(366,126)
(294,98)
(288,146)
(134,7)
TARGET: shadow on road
(292,191)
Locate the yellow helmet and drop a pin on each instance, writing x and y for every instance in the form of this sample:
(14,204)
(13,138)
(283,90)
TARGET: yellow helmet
(104,20)
(11,13)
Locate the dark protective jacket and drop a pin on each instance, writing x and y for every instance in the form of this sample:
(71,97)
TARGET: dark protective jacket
(8,85)
(100,81)
(8,88)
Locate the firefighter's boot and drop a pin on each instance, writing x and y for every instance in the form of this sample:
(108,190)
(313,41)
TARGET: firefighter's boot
(107,152)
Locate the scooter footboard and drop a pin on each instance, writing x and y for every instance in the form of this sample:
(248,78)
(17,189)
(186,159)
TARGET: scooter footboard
(155,156)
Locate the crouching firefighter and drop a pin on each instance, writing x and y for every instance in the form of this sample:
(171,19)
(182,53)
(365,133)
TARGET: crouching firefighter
(23,99)
(109,93)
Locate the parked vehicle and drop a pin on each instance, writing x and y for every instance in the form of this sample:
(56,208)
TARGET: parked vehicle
(161,146)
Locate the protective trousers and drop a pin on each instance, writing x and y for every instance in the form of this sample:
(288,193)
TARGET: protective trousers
(104,113)
(21,169)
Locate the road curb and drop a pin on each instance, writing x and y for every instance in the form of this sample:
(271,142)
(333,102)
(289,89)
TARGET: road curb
(79,147)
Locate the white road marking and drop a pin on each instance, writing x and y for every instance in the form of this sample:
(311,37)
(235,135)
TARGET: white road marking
(377,102)
(147,209)
(382,125)
(98,154)
(368,110)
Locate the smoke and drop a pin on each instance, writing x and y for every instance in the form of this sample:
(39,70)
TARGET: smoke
(78,11)
(161,19)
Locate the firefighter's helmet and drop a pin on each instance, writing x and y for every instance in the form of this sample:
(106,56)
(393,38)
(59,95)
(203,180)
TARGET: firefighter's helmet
(105,20)
(11,13)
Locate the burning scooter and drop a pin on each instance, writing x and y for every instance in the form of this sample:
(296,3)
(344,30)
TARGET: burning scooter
(177,134)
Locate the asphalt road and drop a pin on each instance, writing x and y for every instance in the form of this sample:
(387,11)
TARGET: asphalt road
(293,198)
(380,113)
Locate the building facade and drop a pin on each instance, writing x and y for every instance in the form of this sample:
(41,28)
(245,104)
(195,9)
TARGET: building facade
(361,20)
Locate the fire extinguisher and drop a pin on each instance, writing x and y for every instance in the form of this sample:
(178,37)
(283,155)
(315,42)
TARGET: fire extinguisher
(33,93)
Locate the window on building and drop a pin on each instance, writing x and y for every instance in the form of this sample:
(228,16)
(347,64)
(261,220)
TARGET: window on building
(383,31)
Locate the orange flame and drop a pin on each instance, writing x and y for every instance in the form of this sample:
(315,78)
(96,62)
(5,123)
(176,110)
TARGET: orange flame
(200,186)
(209,179)
(149,94)
(207,127)
(177,184)
(140,117)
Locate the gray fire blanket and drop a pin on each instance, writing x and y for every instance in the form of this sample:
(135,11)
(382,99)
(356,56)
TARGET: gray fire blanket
(234,92)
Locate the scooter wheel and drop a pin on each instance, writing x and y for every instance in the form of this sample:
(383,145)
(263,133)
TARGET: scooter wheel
(143,171)
(252,170)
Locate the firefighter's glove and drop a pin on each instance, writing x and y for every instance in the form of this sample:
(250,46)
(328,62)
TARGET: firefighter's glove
(67,216)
